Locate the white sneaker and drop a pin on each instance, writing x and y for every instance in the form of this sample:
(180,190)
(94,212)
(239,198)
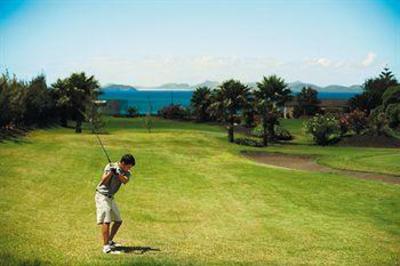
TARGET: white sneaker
(107,249)
(113,244)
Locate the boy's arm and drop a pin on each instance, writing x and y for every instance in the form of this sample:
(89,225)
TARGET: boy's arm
(106,177)
(123,179)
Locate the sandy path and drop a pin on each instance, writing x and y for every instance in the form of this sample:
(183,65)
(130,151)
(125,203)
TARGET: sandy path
(309,164)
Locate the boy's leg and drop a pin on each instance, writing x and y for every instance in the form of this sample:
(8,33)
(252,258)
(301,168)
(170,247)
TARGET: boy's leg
(116,217)
(114,229)
(105,231)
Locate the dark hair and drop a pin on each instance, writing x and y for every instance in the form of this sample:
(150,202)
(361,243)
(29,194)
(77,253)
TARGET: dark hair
(128,159)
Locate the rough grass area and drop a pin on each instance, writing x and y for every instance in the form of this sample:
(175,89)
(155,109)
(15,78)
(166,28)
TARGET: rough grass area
(196,198)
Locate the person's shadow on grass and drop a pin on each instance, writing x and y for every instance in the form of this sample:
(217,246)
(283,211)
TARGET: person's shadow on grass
(136,249)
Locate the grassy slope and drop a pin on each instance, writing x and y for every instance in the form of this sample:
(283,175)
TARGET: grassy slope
(196,198)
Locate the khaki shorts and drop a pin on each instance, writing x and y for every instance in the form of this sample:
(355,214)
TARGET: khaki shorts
(106,209)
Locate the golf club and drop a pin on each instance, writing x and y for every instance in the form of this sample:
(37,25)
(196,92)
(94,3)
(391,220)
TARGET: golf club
(97,136)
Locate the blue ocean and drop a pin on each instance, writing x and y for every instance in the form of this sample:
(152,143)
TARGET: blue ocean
(153,100)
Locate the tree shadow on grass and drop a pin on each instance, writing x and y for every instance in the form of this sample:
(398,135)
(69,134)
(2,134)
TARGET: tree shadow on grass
(10,259)
(136,249)
(14,136)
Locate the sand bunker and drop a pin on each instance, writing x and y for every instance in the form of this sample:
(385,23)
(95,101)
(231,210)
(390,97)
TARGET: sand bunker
(308,163)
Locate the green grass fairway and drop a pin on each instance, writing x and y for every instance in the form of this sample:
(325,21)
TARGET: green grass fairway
(196,198)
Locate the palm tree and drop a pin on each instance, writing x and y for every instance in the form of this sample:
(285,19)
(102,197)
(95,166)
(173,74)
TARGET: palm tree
(62,95)
(85,91)
(200,102)
(216,108)
(249,112)
(271,93)
(74,95)
(232,97)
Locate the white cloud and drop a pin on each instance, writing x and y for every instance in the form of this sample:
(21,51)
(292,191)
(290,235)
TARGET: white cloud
(324,62)
(369,59)
(156,69)
(319,61)
(339,64)
(153,70)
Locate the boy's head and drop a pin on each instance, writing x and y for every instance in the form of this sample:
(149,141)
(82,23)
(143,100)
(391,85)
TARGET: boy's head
(127,162)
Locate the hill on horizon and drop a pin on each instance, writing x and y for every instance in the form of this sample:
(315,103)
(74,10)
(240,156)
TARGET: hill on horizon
(295,86)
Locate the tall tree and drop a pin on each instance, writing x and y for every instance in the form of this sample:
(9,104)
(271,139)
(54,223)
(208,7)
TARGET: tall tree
(233,96)
(249,112)
(272,93)
(62,94)
(200,102)
(360,102)
(307,102)
(39,104)
(216,108)
(25,104)
(18,93)
(85,91)
(76,95)
(6,115)
(374,88)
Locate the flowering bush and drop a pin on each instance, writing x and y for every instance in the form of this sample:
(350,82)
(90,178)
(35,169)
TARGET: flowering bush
(358,121)
(324,128)
(344,124)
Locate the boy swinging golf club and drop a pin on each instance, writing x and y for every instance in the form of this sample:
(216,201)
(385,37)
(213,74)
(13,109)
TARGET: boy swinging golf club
(107,211)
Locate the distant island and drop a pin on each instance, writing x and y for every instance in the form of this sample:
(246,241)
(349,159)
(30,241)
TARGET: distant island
(295,86)
(118,87)
(298,85)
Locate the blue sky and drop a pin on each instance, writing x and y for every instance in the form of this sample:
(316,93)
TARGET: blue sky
(153,42)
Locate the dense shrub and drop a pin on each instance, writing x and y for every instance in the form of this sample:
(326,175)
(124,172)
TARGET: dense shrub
(378,123)
(358,121)
(391,103)
(361,102)
(280,133)
(257,131)
(249,142)
(344,124)
(174,111)
(132,111)
(324,129)
(391,95)
(393,115)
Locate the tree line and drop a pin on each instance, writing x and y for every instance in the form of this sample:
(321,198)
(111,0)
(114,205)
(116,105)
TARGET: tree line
(375,111)
(233,103)
(27,104)
(31,104)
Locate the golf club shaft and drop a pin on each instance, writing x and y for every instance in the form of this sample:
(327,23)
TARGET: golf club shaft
(98,138)
(102,146)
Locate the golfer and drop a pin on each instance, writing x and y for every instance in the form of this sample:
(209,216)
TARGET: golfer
(114,175)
